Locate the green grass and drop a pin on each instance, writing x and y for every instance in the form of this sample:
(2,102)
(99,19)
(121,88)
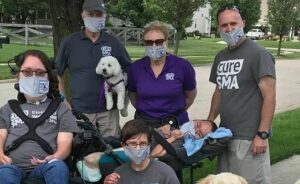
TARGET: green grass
(271,43)
(197,52)
(284,142)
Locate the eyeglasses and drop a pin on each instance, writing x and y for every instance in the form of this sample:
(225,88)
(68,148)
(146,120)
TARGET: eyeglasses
(38,72)
(228,7)
(151,42)
(135,144)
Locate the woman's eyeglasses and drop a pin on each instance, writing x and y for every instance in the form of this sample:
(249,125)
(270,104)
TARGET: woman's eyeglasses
(151,42)
(38,72)
(134,144)
(228,7)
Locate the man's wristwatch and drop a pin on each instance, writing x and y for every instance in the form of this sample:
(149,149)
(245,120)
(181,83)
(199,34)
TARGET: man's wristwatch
(263,134)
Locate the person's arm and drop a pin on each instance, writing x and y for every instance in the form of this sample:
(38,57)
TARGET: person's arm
(159,151)
(190,97)
(61,87)
(215,105)
(132,97)
(64,146)
(267,86)
(3,158)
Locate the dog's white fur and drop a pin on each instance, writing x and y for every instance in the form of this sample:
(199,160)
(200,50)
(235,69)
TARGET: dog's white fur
(223,178)
(110,69)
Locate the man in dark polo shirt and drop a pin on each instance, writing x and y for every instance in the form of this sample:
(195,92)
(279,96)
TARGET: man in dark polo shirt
(80,52)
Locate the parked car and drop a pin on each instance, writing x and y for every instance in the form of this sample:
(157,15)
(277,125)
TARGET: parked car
(255,34)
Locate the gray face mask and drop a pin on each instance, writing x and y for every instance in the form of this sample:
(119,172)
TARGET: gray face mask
(233,37)
(34,86)
(155,52)
(137,155)
(94,24)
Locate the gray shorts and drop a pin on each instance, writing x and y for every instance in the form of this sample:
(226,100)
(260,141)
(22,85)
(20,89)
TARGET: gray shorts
(239,160)
(106,122)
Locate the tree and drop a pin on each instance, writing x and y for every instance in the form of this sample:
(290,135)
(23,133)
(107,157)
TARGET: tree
(130,10)
(66,19)
(178,13)
(22,10)
(249,10)
(281,16)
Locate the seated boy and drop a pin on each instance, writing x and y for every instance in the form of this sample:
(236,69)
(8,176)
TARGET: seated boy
(195,129)
(136,138)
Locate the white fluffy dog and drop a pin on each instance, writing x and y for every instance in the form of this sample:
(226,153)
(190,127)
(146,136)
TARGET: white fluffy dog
(115,82)
(223,178)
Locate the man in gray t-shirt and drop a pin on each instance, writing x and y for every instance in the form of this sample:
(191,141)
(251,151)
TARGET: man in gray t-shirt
(244,74)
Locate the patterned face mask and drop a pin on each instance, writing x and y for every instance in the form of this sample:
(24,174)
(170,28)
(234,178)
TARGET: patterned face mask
(94,24)
(155,52)
(34,86)
(137,155)
(233,37)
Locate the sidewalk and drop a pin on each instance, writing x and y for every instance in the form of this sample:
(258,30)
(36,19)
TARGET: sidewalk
(288,90)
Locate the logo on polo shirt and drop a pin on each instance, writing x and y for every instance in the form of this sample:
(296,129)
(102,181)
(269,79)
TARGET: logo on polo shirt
(227,72)
(170,76)
(106,50)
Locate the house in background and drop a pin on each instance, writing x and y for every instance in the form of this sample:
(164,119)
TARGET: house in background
(201,21)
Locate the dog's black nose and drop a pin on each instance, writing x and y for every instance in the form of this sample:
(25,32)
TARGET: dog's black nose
(104,70)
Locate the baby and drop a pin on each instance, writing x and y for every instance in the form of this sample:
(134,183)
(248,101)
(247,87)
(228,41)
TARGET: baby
(194,129)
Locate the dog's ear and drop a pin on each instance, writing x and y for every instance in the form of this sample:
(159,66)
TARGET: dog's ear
(98,68)
(117,68)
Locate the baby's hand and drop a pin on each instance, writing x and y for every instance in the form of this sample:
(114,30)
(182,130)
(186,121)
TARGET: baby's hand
(177,134)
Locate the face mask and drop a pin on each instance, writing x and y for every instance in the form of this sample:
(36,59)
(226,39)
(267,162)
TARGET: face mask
(34,86)
(137,155)
(94,24)
(87,173)
(155,52)
(233,37)
(188,130)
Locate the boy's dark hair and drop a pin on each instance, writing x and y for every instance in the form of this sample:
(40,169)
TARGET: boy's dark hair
(52,76)
(213,125)
(133,128)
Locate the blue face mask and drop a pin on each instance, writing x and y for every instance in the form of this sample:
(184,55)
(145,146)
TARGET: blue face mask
(94,24)
(137,155)
(155,52)
(233,37)
(188,130)
(34,86)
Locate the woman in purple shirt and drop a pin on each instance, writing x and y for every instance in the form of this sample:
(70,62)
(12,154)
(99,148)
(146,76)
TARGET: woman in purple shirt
(161,86)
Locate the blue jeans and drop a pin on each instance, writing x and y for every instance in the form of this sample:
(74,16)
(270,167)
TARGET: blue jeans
(55,172)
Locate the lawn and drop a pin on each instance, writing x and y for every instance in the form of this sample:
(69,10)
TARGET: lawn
(284,142)
(197,52)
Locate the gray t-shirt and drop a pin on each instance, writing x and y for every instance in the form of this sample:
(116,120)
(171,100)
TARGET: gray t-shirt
(237,73)
(62,120)
(80,56)
(157,172)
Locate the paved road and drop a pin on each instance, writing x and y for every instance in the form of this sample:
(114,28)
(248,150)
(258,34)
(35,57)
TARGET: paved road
(288,97)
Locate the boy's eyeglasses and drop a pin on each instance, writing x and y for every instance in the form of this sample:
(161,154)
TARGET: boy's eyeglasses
(134,144)
(38,72)
(228,7)
(151,42)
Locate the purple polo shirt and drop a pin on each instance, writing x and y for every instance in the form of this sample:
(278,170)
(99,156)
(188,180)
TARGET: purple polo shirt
(164,95)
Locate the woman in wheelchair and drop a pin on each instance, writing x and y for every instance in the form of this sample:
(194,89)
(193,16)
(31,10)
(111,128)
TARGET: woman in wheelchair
(36,131)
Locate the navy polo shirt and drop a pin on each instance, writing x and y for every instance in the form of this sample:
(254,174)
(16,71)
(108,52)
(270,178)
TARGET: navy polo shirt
(164,95)
(81,56)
